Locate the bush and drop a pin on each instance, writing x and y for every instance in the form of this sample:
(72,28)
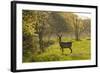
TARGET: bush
(30,47)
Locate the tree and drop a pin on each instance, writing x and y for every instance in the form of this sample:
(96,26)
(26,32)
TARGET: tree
(87,26)
(73,21)
(58,24)
(28,37)
(76,28)
(40,26)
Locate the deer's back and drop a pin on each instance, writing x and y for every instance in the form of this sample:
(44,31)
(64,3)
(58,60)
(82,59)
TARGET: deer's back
(65,44)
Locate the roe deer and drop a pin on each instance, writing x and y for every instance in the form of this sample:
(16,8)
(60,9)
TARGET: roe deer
(64,44)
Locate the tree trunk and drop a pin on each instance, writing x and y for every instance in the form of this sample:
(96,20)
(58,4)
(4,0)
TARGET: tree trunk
(77,38)
(77,30)
(41,41)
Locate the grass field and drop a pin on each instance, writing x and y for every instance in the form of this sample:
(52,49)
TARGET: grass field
(81,51)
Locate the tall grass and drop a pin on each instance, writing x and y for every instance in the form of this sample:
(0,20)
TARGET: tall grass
(81,51)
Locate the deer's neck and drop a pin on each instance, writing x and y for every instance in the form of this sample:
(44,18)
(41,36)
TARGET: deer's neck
(59,40)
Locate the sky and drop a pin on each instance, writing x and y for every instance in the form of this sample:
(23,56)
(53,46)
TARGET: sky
(84,15)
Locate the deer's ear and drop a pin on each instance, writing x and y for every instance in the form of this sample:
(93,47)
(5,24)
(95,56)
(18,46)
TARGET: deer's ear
(61,35)
(57,37)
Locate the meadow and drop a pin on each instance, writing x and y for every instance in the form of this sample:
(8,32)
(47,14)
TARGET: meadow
(81,51)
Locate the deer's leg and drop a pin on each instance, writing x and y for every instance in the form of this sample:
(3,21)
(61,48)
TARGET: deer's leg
(71,50)
(61,50)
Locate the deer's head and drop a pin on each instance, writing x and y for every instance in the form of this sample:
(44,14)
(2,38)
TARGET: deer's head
(59,37)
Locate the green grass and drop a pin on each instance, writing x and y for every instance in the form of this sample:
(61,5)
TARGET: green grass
(81,51)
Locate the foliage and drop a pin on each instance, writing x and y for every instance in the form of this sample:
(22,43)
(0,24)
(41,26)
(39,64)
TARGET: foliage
(40,30)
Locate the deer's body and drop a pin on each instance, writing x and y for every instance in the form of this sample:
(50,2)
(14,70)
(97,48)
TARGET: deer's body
(66,45)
